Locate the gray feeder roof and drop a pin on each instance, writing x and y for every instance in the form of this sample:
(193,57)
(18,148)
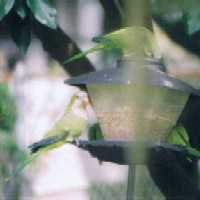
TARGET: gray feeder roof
(127,75)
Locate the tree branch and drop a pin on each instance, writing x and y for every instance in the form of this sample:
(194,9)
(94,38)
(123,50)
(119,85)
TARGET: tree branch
(113,19)
(60,47)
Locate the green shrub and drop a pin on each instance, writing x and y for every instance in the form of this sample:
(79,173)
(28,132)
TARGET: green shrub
(8,111)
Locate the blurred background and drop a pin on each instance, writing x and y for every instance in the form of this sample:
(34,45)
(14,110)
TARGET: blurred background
(33,95)
(35,84)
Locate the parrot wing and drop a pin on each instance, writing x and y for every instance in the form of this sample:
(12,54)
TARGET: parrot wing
(64,131)
(45,143)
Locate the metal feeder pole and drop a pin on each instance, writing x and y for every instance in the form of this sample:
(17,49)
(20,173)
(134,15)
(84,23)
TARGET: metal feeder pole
(137,13)
(130,182)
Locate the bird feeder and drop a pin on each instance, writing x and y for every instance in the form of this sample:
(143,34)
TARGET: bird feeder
(135,100)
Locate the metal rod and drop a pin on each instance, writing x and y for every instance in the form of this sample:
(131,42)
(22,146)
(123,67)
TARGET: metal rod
(131,182)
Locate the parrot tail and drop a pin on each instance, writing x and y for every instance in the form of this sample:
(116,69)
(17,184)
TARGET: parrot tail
(35,147)
(19,168)
(85,53)
(36,150)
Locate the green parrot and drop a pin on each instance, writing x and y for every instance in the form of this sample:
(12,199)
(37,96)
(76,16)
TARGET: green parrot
(143,42)
(77,118)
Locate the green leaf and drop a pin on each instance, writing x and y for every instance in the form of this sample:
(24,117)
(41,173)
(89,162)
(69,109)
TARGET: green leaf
(10,154)
(193,19)
(21,33)
(178,136)
(173,11)
(43,12)
(5,7)
(193,152)
(192,11)
(8,109)
(95,132)
(21,9)
(169,10)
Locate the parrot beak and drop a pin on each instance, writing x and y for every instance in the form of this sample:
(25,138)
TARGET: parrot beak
(86,106)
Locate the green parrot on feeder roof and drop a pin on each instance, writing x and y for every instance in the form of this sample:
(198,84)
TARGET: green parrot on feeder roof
(143,42)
